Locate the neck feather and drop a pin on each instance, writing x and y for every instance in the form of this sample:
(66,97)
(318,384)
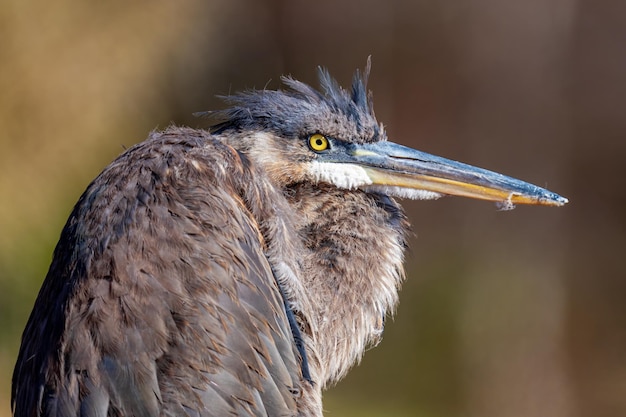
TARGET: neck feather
(352,270)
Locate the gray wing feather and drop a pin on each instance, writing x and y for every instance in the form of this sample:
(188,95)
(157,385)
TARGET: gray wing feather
(160,300)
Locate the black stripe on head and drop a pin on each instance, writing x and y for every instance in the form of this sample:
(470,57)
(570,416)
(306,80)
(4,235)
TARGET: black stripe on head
(301,110)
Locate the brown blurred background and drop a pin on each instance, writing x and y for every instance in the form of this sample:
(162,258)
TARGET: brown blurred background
(504,314)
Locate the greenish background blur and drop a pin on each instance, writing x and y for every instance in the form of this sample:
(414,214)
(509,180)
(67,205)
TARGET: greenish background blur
(504,314)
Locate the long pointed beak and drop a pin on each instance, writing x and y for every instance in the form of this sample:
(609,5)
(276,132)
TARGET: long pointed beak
(388,164)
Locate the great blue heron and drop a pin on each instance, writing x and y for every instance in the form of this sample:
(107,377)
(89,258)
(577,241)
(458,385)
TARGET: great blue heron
(238,271)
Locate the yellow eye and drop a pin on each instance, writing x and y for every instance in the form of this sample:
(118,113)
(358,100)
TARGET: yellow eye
(318,142)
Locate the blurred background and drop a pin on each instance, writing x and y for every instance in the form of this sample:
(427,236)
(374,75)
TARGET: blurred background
(504,314)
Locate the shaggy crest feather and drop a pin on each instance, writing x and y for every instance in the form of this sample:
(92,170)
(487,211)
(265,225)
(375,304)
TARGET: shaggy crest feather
(296,111)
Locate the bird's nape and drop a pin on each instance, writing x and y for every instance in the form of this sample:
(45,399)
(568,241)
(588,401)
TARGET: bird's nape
(236,271)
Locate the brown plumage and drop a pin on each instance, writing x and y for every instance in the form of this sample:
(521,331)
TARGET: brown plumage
(237,272)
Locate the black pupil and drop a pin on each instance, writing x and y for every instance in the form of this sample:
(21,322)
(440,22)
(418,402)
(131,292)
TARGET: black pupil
(318,142)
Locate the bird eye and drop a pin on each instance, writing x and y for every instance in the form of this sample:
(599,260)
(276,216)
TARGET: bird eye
(318,142)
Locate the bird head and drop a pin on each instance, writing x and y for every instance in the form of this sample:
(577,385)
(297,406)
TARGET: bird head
(332,136)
